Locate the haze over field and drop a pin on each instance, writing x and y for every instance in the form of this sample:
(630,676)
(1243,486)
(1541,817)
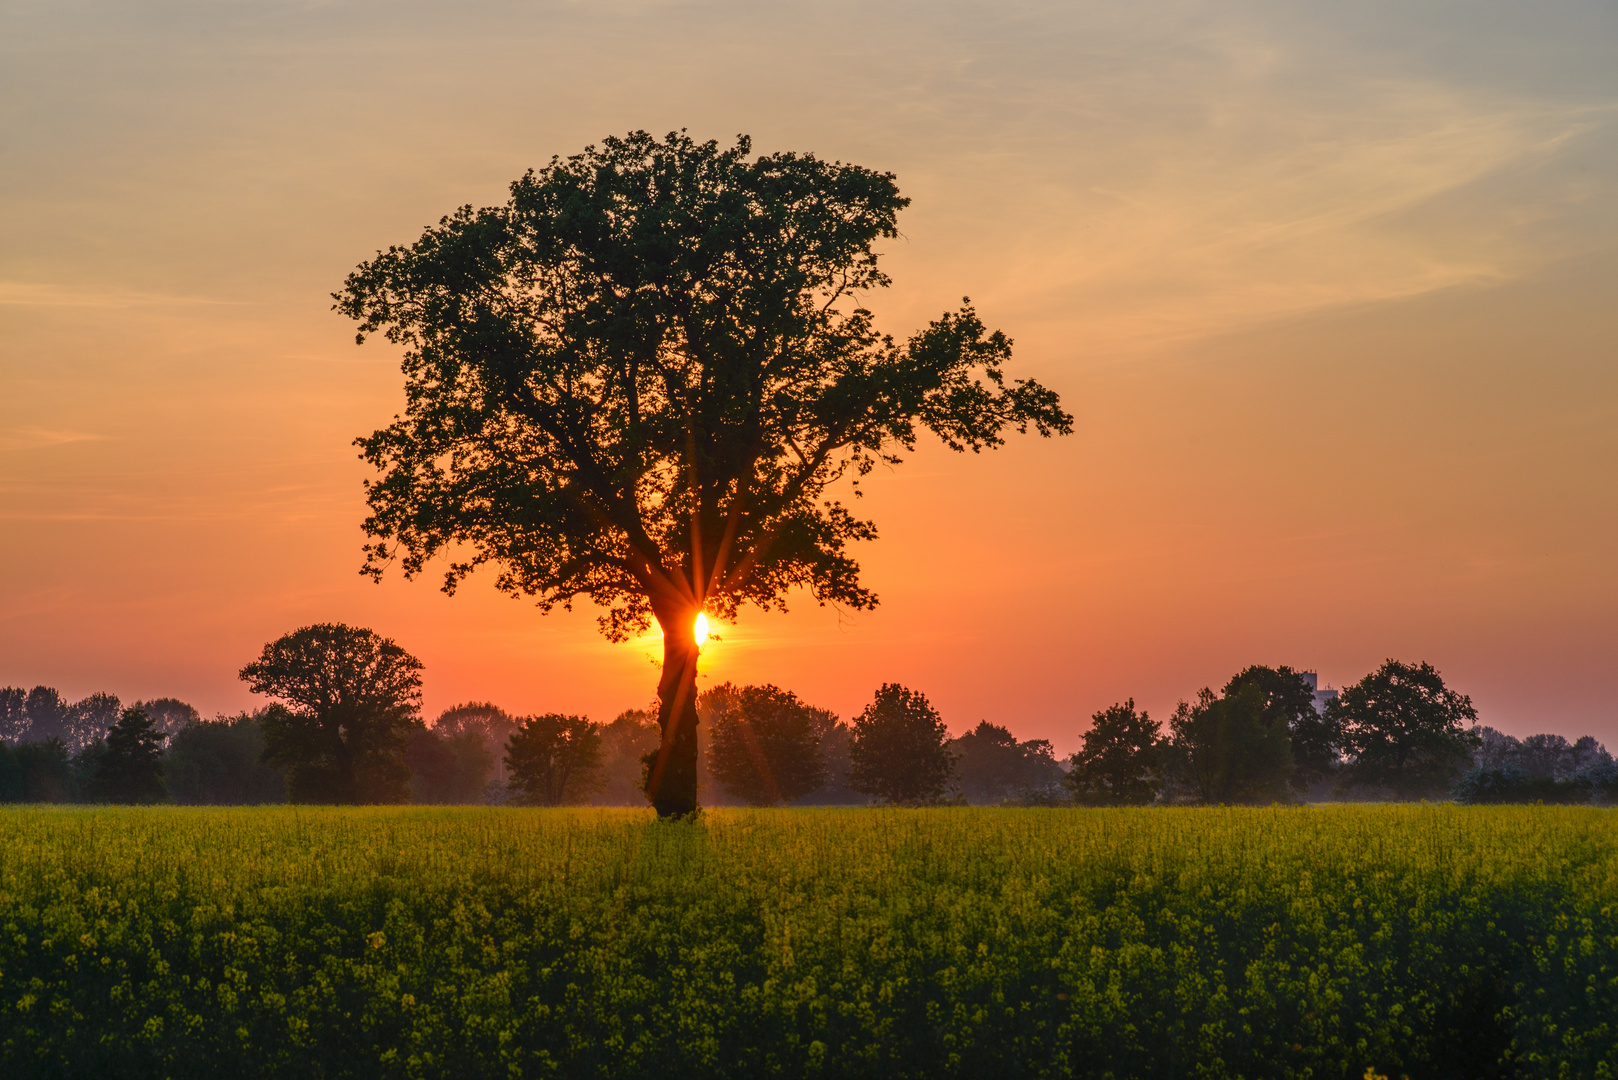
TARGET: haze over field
(1328,288)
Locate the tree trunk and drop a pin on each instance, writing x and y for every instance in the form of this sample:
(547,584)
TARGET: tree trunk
(672,781)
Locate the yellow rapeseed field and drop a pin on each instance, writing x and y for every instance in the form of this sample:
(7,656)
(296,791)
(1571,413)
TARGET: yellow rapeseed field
(1428,941)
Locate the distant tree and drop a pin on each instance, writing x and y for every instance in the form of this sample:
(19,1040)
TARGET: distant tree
(1407,734)
(448,768)
(626,744)
(836,740)
(553,759)
(1546,757)
(1317,744)
(36,772)
(351,698)
(1589,754)
(899,751)
(126,767)
(993,766)
(91,717)
(1224,750)
(49,717)
(1119,764)
(168,714)
(765,746)
(13,713)
(639,381)
(219,762)
(1496,750)
(492,723)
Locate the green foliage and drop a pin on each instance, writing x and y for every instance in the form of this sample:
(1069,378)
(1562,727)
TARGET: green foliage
(126,767)
(219,763)
(899,751)
(1437,942)
(1406,733)
(553,760)
(349,699)
(1225,750)
(764,744)
(1120,761)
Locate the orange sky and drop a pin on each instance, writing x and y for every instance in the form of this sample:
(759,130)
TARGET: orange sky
(1330,293)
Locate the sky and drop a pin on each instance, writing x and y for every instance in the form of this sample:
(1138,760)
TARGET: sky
(1328,288)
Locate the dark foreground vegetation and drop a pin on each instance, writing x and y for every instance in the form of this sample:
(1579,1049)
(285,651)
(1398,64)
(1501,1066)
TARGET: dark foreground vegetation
(1432,942)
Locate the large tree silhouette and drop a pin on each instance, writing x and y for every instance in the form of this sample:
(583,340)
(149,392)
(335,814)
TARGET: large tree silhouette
(638,381)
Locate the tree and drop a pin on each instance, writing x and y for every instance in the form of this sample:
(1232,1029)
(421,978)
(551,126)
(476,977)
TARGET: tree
(1290,702)
(552,759)
(13,714)
(626,744)
(1406,733)
(765,746)
(128,766)
(993,766)
(1547,757)
(219,762)
(170,715)
(350,698)
(639,380)
(1224,750)
(899,751)
(36,772)
(1119,763)
(448,767)
(491,723)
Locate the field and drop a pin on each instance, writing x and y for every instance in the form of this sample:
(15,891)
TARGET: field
(1424,941)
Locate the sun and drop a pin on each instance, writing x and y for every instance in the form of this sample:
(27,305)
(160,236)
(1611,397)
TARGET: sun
(702,629)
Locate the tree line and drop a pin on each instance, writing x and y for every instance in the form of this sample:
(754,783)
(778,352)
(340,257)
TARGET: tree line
(343,726)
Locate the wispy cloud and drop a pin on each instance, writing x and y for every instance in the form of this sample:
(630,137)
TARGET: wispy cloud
(35,438)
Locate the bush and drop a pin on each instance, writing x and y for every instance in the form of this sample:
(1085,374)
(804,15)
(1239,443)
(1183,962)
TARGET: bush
(1495,786)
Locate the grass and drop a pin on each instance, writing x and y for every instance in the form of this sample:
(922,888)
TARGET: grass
(1428,941)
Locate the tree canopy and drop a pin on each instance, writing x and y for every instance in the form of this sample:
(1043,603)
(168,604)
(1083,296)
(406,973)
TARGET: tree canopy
(553,759)
(349,698)
(765,745)
(126,766)
(1406,733)
(1225,750)
(640,380)
(1289,701)
(900,749)
(1120,762)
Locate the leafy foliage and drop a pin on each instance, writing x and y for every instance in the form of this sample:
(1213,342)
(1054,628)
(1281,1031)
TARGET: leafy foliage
(1405,731)
(1225,750)
(127,767)
(350,697)
(765,743)
(220,763)
(553,759)
(1120,762)
(450,767)
(1289,701)
(639,380)
(899,750)
(994,767)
